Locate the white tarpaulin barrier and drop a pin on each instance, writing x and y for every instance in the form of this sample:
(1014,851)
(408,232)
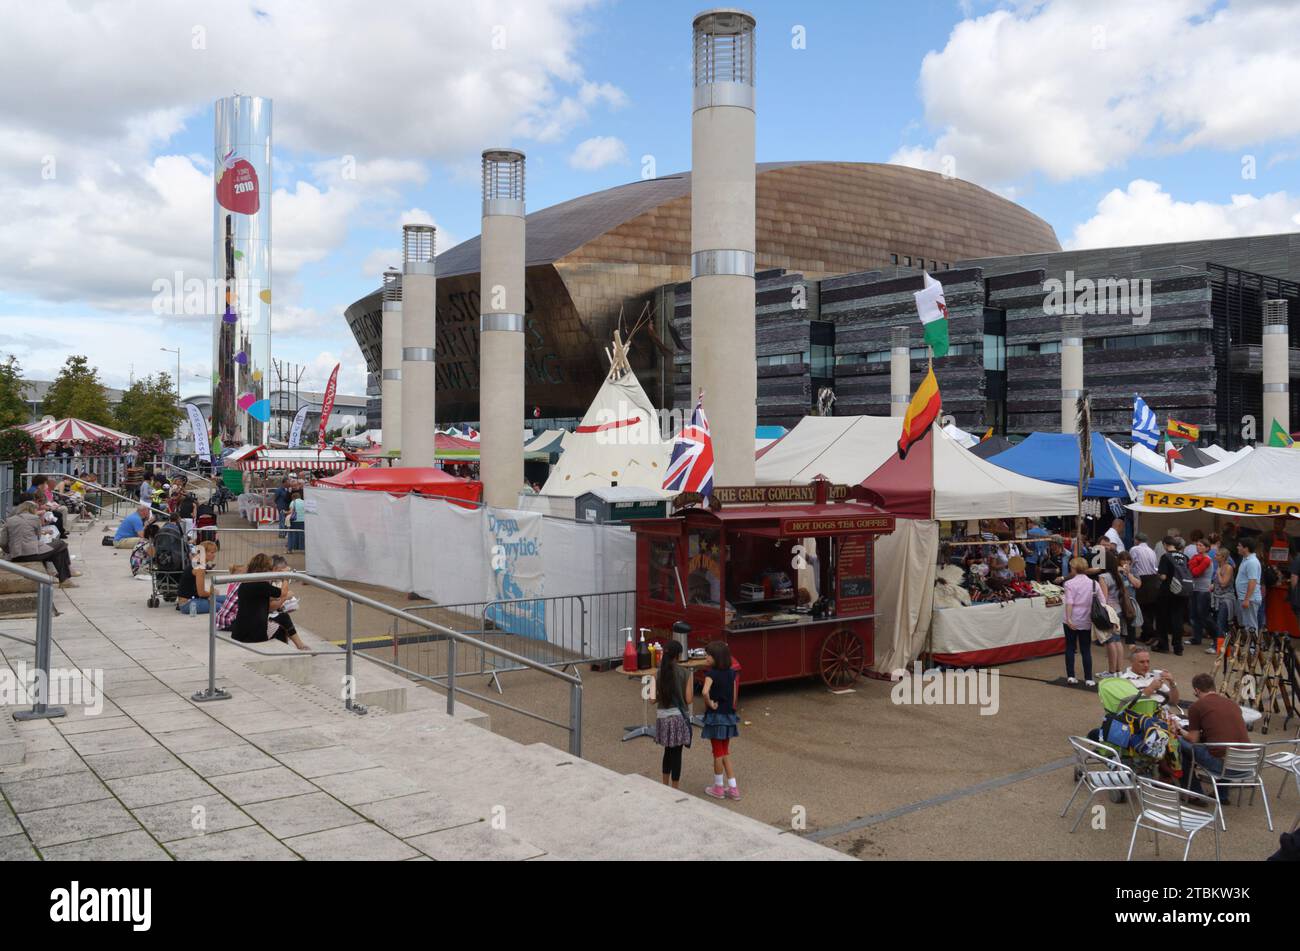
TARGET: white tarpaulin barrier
(359,536)
(455,555)
(905,570)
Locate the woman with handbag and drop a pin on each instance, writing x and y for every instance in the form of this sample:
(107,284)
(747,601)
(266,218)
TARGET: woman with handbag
(1081,594)
(1130,607)
(1111,635)
(674,690)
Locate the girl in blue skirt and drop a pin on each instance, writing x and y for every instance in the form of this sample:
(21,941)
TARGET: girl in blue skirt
(721,688)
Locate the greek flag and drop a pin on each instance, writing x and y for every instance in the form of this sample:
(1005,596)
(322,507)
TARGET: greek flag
(1145,428)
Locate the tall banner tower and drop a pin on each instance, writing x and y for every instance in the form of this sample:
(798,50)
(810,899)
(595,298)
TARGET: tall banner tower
(241,265)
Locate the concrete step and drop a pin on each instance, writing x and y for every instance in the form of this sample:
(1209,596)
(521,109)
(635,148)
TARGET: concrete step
(18,605)
(14,584)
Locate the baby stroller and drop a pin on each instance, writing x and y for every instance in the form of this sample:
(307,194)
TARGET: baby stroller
(205,524)
(1131,729)
(169,562)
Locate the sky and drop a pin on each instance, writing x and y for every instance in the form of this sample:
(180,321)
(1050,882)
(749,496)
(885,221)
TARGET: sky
(1117,122)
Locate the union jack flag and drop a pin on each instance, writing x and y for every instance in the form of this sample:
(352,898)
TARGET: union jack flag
(691,467)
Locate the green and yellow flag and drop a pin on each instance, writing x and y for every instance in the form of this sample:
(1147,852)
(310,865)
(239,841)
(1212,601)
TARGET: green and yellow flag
(1277,436)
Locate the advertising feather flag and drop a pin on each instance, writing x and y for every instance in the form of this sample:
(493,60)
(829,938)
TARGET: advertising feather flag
(921,413)
(690,469)
(327,406)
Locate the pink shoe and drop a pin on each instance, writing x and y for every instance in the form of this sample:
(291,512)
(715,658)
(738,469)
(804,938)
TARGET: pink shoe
(717,792)
(733,792)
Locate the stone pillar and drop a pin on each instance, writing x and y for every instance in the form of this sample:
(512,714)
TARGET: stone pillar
(1277,368)
(419,338)
(900,371)
(1071,370)
(391,358)
(723,361)
(501,328)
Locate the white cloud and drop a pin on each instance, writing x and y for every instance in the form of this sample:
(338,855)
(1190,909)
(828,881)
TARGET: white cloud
(597,152)
(380,260)
(1144,213)
(1071,89)
(424,78)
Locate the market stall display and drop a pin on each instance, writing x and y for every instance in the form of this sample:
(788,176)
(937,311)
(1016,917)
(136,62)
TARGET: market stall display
(732,572)
(1259,492)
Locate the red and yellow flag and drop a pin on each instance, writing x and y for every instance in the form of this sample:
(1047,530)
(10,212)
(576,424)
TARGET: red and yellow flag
(921,413)
(1183,430)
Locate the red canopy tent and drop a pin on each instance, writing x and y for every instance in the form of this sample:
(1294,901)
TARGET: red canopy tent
(74,430)
(422,480)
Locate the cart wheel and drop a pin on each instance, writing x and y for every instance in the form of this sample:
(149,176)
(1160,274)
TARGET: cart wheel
(153,602)
(843,656)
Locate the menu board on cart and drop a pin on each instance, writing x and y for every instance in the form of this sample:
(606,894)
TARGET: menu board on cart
(854,581)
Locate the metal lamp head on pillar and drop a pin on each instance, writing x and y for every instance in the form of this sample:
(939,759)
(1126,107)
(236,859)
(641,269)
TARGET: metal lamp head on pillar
(417,249)
(724,58)
(503,182)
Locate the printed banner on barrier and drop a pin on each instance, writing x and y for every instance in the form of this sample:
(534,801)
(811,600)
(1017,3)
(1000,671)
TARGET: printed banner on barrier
(200,430)
(1167,500)
(514,540)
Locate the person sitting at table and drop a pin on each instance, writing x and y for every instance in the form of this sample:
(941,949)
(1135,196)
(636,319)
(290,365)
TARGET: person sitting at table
(1150,683)
(1213,718)
(131,530)
(257,599)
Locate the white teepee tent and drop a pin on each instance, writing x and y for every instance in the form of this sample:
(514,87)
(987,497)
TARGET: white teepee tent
(618,440)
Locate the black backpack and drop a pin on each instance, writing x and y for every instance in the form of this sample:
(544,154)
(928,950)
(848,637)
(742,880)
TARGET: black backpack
(1180,582)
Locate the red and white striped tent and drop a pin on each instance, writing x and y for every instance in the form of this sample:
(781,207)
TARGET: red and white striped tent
(73,430)
(306,460)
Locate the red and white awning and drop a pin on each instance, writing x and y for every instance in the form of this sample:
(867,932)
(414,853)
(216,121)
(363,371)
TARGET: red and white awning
(311,465)
(74,430)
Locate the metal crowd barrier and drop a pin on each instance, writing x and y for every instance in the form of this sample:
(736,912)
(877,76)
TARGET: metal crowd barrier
(41,710)
(557,632)
(447,681)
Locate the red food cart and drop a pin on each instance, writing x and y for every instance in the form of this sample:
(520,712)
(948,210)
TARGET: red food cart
(731,571)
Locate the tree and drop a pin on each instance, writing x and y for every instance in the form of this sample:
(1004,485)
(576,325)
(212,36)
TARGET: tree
(16,445)
(149,408)
(77,392)
(13,407)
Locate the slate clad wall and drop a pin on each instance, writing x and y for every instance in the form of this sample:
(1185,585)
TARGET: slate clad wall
(867,307)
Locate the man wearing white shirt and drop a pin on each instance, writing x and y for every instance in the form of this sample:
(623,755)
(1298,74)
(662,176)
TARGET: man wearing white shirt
(1150,683)
(1116,534)
(1146,566)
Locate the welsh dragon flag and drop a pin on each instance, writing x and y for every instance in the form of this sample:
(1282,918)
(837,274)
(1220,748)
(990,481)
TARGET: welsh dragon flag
(933,310)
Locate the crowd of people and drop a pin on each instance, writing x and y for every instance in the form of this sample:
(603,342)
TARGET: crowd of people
(36,530)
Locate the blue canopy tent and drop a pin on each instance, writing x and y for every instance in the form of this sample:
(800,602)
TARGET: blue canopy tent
(1054,457)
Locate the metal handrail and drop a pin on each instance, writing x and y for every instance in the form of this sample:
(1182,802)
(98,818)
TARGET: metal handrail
(44,612)
(574,726)
(188,473)
(118,495)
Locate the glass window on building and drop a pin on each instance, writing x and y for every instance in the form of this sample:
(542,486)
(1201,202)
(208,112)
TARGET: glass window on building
(821,345)
(907,261)
(894,258)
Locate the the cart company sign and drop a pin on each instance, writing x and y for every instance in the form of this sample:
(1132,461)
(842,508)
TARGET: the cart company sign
(1166,500)
(773,494)
(808,526)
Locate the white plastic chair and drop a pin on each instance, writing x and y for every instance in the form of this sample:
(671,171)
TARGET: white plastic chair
(1284,755)
(1242,766)
(1163,812)
(1114,776)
